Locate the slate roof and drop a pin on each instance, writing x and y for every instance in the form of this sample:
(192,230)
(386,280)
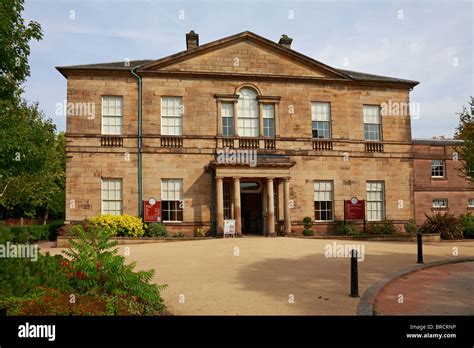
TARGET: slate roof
(437,141)
(121,66)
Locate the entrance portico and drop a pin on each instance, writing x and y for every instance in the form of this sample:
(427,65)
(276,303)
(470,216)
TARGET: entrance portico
(270,178)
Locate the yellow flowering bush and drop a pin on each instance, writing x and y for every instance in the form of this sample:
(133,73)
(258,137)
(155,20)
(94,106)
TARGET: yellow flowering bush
(119,225)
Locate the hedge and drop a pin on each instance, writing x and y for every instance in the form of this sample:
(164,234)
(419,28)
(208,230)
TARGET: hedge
(34,233)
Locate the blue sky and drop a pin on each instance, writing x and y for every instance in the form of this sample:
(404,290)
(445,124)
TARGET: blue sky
(427,41)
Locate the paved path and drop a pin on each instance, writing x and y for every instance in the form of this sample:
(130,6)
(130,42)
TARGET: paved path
(269,272)
(440,290)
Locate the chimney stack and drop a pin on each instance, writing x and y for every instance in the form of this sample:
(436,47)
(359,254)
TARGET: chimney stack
(192,40)
(285,41)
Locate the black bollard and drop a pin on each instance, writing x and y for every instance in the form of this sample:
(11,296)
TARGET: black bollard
(354,275)
(420,248)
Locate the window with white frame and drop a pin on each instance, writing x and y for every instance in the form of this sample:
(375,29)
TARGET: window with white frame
(247,107)
(372,122)
(227,112)
(437,169)
(321,120)
(323,200)
(268,120)
(440,203)
(470,202)
(112,196)
(375,201)
(112,115)
(172,115)
(172,200)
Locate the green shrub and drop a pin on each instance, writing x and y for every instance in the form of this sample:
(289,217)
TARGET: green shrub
(382,228)
(308,224)
(308,233)
(5,235)
(156,229)
(119,225)
(21,234)
(411,227)
(349,229)
(98,269)
(467,225)
(446,225)
(38,232)
(20,276)
(53,229)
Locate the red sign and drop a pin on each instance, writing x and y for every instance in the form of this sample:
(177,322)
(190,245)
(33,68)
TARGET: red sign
(152,211)
(354,209)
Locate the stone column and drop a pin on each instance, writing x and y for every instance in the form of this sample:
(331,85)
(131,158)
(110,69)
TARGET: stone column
(281,203)
(271,207)
(237,214)
(220,205)
(287,205)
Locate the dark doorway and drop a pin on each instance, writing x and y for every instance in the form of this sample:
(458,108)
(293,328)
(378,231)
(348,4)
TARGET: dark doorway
(251,204)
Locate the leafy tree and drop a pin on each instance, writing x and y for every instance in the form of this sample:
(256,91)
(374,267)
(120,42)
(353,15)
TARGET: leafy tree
(465,132)
(15,35)
(32,159)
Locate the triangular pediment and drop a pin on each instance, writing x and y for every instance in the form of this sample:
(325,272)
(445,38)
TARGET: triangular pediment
(244,54)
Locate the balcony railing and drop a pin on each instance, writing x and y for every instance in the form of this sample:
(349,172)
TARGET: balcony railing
(249,143)
(322,145)
(228,142)
(270,144)
(373,147)
(171,141)
(111,141)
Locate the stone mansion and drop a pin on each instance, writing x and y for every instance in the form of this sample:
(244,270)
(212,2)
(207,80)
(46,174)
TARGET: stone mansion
(240,128)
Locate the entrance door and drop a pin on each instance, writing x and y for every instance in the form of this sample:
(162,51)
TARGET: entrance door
(251,209)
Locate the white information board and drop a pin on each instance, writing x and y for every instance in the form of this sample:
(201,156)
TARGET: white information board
(229,228)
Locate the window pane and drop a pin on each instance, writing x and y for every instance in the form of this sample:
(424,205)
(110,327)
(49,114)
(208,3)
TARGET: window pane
(372,114)
(268,127)
(437,168)
(321,111)
(323,195)
(375,200)
(372,131)
(247,112)
(171,115)
(268,111)
(440,203)
(112,115)
(112,196)
(172,195)
(227,119)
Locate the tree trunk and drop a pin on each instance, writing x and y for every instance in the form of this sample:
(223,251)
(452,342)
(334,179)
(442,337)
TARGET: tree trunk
(45,220)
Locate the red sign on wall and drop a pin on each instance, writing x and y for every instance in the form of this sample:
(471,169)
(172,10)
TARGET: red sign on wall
(152,211)
(354,209)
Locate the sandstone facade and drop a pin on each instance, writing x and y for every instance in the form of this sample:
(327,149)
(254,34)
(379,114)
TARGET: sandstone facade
(204,78)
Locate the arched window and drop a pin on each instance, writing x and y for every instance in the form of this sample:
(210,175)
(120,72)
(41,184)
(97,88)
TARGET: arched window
(247,107)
